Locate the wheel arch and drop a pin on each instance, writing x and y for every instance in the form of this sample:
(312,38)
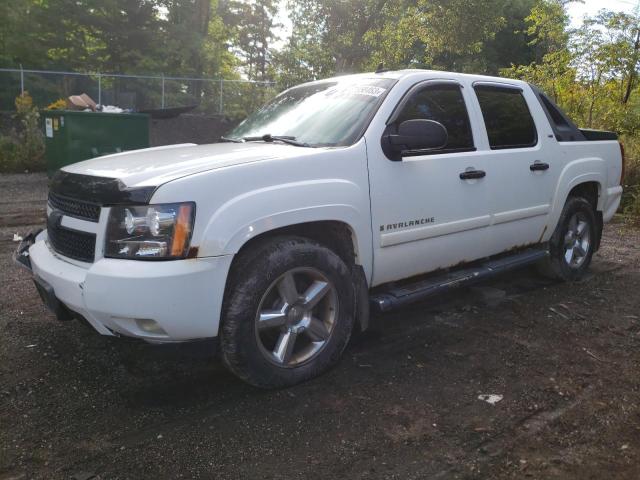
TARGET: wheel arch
(567,242)
(589,187)
(590,191)
(337,236)
(584,177)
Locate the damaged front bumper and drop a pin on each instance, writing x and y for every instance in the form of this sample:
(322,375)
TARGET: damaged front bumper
(21,255)
(46,292)
(160,301)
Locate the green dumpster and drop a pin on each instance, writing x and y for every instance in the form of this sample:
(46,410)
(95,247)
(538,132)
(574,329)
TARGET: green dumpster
(71,136)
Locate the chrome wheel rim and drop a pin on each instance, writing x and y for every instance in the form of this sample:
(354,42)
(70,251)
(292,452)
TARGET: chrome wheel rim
(577,240)
(296,317)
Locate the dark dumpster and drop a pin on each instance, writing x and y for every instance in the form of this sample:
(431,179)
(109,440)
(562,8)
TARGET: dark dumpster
(71,136)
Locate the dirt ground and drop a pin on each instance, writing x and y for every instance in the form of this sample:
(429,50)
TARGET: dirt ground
(402,404)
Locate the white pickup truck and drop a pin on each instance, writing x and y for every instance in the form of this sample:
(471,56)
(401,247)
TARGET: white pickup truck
(341,195)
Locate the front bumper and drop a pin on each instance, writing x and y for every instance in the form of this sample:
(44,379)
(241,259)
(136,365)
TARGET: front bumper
(159,301)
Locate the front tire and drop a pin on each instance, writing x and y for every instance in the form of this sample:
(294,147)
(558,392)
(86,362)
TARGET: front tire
(572,244)
(288,312)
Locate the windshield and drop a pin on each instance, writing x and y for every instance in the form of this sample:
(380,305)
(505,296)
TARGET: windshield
(329,113)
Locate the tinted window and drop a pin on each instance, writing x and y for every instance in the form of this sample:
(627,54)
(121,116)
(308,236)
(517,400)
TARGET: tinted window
(554,113)
(563,128)
(507,118)
(444,104)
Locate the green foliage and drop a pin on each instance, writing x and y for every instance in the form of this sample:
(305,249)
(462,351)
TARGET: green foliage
(632,155)
(591,71)
(245,98)
(631,198)
(252,24)
(332,37)
(547,27)
(8,157)
(631,208)
(313,45)
(59,104)
(121,36)
(23,149)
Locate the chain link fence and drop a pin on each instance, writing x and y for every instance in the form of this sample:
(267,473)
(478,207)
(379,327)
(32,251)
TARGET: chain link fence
(231,98)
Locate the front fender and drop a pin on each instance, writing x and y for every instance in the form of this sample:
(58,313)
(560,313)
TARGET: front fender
(256,212)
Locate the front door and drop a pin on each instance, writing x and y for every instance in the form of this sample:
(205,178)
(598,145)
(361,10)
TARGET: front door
(430,210)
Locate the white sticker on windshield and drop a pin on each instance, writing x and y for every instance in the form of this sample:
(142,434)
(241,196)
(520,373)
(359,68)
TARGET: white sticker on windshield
(369,90)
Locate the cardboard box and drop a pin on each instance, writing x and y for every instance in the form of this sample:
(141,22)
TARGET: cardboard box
(81,102)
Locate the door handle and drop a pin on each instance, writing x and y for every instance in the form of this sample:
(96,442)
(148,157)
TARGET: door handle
(471,174)
(538,166)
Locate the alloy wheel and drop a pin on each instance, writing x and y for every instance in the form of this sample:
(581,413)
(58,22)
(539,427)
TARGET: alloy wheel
(577,240)
(296,317)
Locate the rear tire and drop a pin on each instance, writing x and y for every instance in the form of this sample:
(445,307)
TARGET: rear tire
(288,312)
(573,242)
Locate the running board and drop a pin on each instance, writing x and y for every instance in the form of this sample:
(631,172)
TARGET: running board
(400,295)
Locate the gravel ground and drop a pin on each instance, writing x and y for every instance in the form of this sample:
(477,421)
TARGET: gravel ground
(403,403)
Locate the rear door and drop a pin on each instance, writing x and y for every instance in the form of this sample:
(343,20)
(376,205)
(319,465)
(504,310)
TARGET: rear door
(522,157)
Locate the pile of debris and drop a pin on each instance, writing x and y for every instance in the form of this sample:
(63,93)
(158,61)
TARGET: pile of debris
(85,103)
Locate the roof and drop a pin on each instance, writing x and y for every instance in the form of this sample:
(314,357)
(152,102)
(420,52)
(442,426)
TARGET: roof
(400,74)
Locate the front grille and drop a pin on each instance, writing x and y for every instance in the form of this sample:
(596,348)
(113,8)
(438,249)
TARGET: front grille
(75,208)
(71,243)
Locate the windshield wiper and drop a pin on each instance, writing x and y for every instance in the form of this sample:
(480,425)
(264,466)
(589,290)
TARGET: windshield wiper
(233,140)
(280,138)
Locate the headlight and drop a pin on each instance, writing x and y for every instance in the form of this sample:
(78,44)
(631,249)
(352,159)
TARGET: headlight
(150,231)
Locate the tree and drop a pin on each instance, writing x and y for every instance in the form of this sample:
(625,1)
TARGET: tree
(333,37)
(622,46)
(548,27)
(323,40)
(186,27)
(590,71)
(252,25)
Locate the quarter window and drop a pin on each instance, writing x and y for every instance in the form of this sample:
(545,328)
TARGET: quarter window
(557,118)
(443,103)
(507,117)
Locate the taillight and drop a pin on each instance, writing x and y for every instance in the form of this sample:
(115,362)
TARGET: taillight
(622,169)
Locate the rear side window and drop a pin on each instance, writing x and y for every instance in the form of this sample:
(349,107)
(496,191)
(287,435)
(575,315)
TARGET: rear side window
(507,117)
(443,103)
(563,128)
(556,117)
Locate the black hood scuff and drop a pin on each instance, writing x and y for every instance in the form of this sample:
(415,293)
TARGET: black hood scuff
(100,190)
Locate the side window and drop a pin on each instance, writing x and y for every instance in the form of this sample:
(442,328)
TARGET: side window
(443,103)
(507,117)
(563,128)
(556,117)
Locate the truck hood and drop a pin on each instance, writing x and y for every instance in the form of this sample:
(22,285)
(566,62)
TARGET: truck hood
(155,166)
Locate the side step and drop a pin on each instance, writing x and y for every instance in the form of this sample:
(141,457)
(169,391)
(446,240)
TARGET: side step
(400,295)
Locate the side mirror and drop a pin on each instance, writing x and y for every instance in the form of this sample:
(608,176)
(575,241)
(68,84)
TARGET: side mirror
(417,134)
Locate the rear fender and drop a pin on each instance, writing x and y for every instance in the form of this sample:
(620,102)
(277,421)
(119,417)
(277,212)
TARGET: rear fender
(574,174)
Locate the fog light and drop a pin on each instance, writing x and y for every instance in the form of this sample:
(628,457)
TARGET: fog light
(150,326)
